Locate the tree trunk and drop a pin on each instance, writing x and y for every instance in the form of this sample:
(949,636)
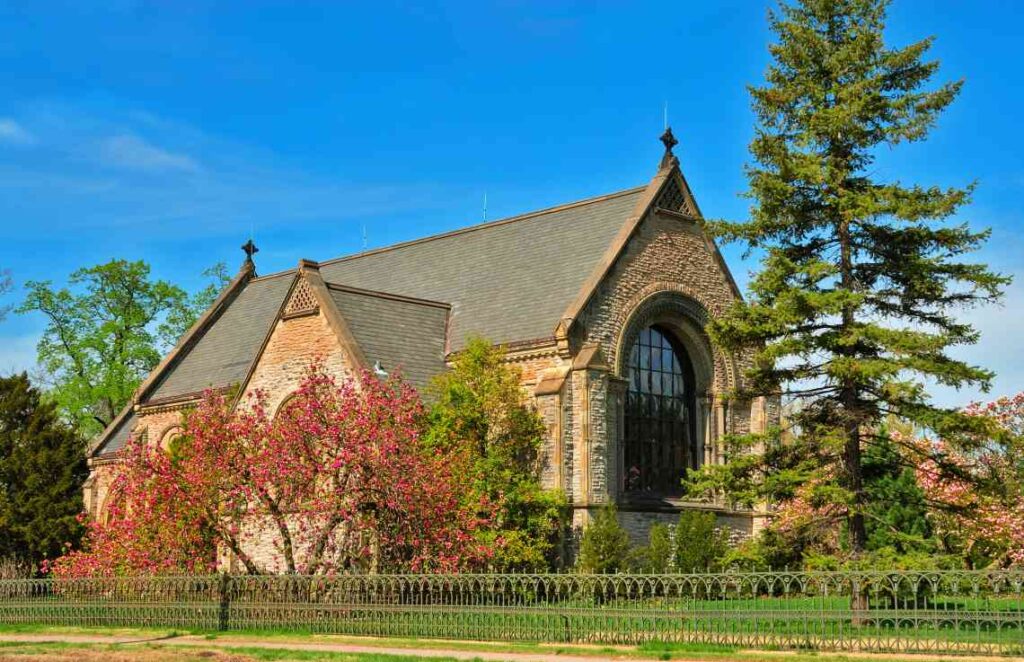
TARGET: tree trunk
(316,552)
(282,527)
(849,397)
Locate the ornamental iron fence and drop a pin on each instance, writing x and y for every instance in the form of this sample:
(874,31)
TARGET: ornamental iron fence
(939,612)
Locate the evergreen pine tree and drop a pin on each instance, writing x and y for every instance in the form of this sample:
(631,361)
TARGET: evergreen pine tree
(854,306)
(897,509)
(42,469)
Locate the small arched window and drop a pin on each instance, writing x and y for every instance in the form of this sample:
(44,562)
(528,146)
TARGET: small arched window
(170,438)
(660,443)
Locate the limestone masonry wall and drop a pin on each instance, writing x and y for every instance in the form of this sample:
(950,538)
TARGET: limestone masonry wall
(294,343)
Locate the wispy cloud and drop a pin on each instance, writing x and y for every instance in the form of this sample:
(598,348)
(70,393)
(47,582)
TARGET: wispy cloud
(132,152)
(1001,327)
(129,173)
(14,133)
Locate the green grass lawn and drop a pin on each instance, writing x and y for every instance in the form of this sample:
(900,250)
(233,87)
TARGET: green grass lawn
(236,648)
(961,625)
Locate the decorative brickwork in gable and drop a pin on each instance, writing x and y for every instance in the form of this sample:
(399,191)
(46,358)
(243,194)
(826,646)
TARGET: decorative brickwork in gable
(302,301)
(675,198)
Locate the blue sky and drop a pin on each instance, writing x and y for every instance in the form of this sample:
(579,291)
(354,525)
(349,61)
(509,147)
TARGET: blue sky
(170,131)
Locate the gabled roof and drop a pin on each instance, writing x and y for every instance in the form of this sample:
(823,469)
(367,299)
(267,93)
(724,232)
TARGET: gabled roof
(507,280)
(523,278)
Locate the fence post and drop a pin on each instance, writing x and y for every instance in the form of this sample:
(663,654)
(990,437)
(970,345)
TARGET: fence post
(224,587)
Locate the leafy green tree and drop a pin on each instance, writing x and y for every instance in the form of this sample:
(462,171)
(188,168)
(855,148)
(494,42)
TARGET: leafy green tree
(479,409)
(700,544)
(853,308)
(42,468)
(604,546)
(107,331)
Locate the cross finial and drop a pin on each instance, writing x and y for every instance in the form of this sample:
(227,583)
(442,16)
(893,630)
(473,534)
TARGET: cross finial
(669,141)
(250,249)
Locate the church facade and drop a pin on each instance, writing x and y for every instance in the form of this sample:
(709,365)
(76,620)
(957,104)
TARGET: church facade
(602,303)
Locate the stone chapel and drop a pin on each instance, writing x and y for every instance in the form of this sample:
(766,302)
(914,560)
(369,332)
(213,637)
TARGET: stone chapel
(601,302)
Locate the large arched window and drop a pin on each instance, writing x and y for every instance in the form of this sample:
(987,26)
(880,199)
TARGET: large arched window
(660,442)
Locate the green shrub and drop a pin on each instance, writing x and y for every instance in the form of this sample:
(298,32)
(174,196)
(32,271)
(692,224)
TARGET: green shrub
(604,547)
(656,556)
(700,545)
(748,556)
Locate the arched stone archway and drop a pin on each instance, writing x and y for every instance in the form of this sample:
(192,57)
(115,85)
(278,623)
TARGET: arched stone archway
(681,319)
(676,307)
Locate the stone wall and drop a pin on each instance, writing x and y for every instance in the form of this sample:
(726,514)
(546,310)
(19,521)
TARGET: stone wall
(294,343)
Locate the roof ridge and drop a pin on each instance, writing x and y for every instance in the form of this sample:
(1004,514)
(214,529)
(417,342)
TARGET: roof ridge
(474,228)
(276,274)
(378,294)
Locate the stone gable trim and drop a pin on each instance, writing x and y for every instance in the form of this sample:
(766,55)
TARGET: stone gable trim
(311,272)
(668,176)
(308,275)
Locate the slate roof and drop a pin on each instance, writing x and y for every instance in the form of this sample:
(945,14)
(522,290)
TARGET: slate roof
(400,333)
(508,280)
(224,353)
(119,437)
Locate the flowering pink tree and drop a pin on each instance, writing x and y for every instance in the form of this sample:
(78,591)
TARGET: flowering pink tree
(979,490)
(145,528)
(337,481)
